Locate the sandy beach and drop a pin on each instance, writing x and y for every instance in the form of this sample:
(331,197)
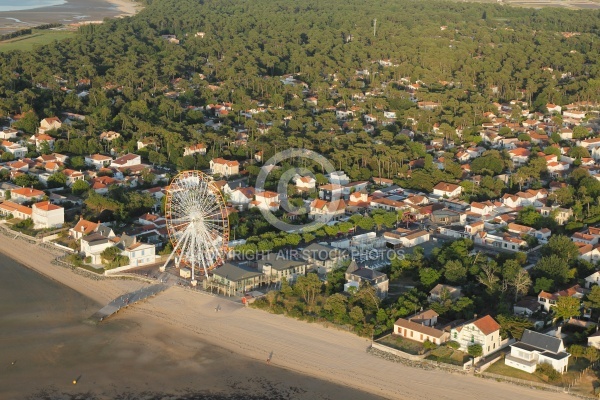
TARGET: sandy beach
(72,11)
(176,341)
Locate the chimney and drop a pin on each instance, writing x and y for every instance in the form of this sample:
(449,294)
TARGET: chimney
(558,332)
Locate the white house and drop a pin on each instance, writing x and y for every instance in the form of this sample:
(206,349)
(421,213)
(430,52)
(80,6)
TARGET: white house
(538,348)
(266,200)
(46,215)
(241,197)
(484,331)
(304,183)
(22,195)
(128,160)
(48,124)
(16,210)
(593,279)
(338,177)
(17,150)
(139,253)
(220,166)
(322,210)
(449,190)
(98,161)
(199,148)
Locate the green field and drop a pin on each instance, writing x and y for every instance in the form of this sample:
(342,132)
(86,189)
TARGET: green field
(38,37)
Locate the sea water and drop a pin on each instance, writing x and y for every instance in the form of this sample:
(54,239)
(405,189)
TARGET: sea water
(15,5)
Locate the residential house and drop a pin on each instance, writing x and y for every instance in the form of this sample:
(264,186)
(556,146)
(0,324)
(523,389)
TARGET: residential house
(138,253)
(22,195)
(548,300)
(330,191)
(46,215)
(199,148)
(322,258)
(338,177)
(98,161)
(447,217)
(72,176)
(266,200)
(304,183)
(519,156)
(485,208)
(421,327)
(82,228)
(484,331)
(593,279)
(275,268)
(536,348)
(241,197)
(356,276)
(42,138)
(128,160)
(17,150)
(220,166)
(93,245)
(441,292)
(526,306)
(48,124)
(322,210)
(449,190)
(8,208)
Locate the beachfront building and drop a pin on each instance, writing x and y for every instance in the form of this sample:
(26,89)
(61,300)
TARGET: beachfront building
(46,215)
(93,245)
(138,253)
(235,279)
(484,331)
(275,268)
(322,258)
(356,276)
(538,348)
(421,327)
(10,209)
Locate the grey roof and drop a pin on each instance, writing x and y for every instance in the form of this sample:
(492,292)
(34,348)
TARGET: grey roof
(95,238)
(279,262)
(320,252)
(541,341)
(368,274)
(103,230)
(236,273)
(352,267)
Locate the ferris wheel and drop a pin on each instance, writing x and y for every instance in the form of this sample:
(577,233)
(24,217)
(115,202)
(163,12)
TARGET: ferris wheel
(197,222)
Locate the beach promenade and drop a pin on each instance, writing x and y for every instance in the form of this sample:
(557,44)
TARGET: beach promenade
(311,349)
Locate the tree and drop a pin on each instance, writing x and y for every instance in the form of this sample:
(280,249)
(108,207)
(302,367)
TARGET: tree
(357,316)
(475,350)
(576,350)
(566,307)
(521,283)
(7,156)
(488,276)
(77,162)
(308,287)
(593,297)
(553,267)
(429,277)
(79,186)
(513,326)
(57,180)
(455,271)
(543,284)
(561,246)
(337,306)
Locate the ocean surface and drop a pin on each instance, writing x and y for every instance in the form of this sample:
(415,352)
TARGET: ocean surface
(16,5)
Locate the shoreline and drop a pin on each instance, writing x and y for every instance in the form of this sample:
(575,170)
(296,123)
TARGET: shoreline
(72,12)
(312,350)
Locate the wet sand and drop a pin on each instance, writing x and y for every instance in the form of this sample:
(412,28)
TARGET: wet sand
(72,11)
(41,330)
(176,343)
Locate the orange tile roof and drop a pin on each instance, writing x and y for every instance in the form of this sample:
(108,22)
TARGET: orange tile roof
(487,325)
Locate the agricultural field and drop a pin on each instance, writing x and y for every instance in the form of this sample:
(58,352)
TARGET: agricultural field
(37,38)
